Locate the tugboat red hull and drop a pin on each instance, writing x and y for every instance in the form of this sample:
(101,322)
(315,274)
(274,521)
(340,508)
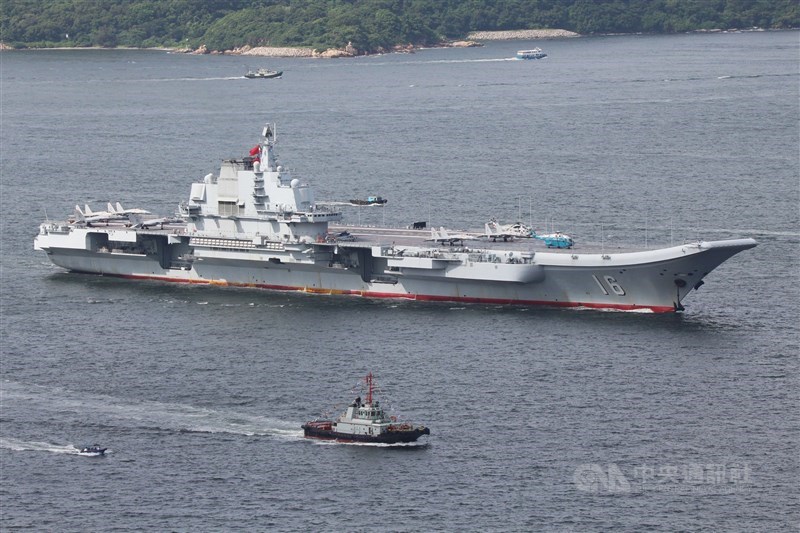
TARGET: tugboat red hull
(316,430)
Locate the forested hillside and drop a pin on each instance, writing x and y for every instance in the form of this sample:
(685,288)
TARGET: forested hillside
(369,25)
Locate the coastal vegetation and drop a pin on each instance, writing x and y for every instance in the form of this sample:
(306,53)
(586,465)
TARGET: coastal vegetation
(367,25)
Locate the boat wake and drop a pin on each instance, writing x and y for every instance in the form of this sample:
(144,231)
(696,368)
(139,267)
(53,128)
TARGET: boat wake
(487,60)
(211,78)
(219,78)
(8,443)
(441,61)
(723,77)
(145,415)
(609,310)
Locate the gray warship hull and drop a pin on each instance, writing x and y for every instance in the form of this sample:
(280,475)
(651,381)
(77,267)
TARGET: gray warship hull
(655,280)
(254,226)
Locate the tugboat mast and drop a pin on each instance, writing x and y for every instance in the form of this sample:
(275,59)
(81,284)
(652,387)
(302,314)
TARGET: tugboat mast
(369,388)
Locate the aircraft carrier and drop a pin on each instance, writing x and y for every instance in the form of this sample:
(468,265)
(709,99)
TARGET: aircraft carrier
(254,225)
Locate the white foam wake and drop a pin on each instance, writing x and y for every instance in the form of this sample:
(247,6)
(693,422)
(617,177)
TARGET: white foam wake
(113,411)
(17,445)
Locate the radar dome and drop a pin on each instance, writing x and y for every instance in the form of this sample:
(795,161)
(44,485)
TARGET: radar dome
(295,183)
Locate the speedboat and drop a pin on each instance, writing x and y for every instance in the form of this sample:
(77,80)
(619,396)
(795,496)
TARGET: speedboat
(365,422)
(371,200)
(263,73)
(93,450)
(535,53)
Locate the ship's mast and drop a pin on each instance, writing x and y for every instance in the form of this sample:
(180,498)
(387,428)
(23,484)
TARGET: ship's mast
(369,388)
(267,156)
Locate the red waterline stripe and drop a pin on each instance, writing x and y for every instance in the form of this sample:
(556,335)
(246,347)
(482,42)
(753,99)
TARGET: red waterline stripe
(419,297)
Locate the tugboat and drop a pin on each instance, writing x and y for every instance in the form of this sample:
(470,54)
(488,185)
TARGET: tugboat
(93,451)
(364,422)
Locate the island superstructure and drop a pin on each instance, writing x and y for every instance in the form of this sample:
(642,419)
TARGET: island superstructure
(254,225)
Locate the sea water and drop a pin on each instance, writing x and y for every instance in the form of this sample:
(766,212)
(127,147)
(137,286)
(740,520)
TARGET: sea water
(541,419)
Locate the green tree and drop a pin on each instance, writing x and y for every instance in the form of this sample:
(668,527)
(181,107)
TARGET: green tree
(369,24)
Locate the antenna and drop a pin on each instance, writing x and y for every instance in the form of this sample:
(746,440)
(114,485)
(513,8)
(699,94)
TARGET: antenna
(269,132)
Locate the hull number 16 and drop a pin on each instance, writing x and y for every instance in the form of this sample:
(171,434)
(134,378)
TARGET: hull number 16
(615,287)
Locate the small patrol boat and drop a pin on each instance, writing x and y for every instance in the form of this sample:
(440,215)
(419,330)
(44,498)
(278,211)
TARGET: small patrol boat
(93,451)
(364,422)
(371,200)
(263,73)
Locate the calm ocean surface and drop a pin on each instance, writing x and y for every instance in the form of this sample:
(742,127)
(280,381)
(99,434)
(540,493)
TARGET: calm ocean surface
(541,419)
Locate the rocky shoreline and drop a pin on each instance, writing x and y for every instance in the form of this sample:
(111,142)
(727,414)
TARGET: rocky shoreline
(283,51)
(473,39)
(330,53)
(520,34)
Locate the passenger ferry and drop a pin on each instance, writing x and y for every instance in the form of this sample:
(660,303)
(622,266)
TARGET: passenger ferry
(535,53)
